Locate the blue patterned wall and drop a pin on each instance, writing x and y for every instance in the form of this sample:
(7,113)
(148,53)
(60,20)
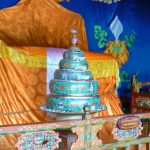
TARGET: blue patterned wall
(135,17)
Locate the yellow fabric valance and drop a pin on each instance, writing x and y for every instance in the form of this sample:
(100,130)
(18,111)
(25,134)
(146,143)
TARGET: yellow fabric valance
(101,65)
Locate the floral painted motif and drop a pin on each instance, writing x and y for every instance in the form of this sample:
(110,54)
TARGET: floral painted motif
(121,135)
(116,48)
(100,35)
(91,87)
(64,75)
(143,102)
(83,88)
(94,104)
(72,105)
(39,140)
(62,87)
(51,104)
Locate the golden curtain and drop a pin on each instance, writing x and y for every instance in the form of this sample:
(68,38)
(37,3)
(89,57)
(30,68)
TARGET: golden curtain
(42,23)
(105,70)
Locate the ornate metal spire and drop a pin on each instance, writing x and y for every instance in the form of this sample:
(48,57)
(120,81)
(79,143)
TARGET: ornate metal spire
(74,39)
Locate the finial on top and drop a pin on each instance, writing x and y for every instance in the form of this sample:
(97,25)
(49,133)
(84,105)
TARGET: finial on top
(74,39)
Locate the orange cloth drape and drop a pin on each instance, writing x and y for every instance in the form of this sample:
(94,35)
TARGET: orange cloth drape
(40,23)
(21,93)
(108,96)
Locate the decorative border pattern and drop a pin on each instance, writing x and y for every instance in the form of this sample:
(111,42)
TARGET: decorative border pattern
(127,134)
(38,140)
(143,102)
(65,124)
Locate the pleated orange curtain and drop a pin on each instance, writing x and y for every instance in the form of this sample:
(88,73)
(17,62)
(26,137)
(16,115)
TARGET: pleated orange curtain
(108,97)
(22,89)
(21,92)
(20,97)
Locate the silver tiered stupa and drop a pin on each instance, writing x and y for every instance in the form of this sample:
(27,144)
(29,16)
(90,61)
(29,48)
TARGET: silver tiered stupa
(73,87)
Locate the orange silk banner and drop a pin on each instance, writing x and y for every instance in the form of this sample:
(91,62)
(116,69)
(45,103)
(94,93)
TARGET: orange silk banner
(41,23)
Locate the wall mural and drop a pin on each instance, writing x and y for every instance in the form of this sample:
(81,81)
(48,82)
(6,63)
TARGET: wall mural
(101,36)
(117,48)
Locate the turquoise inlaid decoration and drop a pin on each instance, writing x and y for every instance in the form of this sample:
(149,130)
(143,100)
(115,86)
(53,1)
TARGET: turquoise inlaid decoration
(92,135)
(100,35)
(127,128)
(39,141)
(127,134)
(117,47)
(82,136)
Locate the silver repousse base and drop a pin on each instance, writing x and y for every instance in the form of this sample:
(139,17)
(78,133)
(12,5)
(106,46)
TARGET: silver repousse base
(61,115)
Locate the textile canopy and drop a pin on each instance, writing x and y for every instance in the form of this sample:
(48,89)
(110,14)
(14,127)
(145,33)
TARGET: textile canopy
(40,23)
